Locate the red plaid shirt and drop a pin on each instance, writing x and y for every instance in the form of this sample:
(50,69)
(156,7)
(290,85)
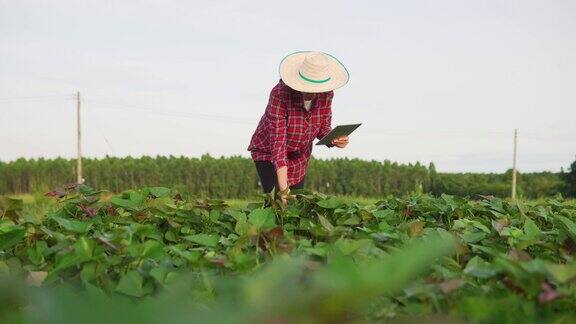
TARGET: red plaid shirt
(286,131)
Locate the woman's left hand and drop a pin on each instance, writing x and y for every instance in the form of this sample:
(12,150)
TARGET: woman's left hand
(340,142)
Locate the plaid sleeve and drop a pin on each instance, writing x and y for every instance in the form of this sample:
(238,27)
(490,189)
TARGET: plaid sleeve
(276,117)
(326,125)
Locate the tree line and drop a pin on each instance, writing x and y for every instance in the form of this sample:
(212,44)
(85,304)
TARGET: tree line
(235,177)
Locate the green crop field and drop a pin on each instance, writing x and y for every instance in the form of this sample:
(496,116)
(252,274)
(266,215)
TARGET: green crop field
(150,256)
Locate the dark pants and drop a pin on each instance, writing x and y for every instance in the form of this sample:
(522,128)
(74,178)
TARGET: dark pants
(268,178)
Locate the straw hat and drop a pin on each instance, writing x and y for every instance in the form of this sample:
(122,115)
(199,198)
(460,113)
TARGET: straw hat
(313,72)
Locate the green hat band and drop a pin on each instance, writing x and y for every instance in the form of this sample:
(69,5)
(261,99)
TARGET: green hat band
(313,81)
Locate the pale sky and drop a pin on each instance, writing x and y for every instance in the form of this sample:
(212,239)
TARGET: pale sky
(441,81)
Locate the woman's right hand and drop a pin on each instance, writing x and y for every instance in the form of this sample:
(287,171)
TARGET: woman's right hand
(284,196)
(282,176)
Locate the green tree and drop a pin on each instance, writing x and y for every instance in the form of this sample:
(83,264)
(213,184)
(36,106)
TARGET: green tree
(235,177)
(570,181)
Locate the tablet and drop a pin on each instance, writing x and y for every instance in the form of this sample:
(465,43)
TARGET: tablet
(341,130)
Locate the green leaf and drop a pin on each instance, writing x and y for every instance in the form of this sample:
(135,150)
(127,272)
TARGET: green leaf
(320,250)
(326,223)
(148,249)
(415,228)
(214,215)
(67,261)
(10,207)
(171,236)
(473,236)
(531,230)
(126,203)
(95,292)
(262,219)
(11,238)
(481,227)
(349,246)
(479,268)
(158,274)
(88,272)
(330,203)
(384,213)
(152,249)
(236,214)
(444,234)
(350,220)
(516,272)
(569,225)
(83,251)
(159,192)
(131,284)
(562,273)
(468,224)
(87,191)
(34,255)
(346,282)
(185,254)
(136,196)
(242,226)
(84,247)
(209,240)
(71,225)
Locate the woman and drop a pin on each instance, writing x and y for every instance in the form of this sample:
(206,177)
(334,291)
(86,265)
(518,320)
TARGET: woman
(299,110)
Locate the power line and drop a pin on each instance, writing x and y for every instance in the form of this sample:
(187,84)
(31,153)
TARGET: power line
(547,137)
(34,101)
(114,106)
(168,113)
(454,133)
(180,113)
(98,126)
(513,194)
(529,135)
(34,98)
(80,179)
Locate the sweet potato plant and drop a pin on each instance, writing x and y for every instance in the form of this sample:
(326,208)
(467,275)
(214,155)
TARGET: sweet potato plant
(151,256)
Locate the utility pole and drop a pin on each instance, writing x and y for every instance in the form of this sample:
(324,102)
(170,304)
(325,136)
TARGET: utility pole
(79,178)
(514,165)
